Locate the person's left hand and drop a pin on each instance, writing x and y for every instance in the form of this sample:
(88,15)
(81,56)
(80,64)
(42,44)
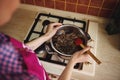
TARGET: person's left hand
(52,29)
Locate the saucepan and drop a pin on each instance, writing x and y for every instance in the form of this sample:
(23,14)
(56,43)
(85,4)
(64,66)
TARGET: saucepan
(63,41)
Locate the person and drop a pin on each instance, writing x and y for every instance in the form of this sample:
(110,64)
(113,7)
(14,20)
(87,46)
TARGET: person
(18,61)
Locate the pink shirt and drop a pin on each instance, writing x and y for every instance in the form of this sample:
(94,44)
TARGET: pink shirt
(17,62)
(31,60)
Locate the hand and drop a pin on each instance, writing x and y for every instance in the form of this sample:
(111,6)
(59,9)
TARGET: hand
(52,29)
(79,56)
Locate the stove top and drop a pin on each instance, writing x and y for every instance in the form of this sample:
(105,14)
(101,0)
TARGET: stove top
(39,28)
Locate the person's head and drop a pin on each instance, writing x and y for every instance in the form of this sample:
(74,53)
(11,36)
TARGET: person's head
(7,8)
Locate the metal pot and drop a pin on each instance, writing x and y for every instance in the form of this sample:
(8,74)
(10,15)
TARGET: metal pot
(67,28)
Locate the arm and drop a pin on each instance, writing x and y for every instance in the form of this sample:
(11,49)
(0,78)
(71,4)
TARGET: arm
(51,30)
(76,58)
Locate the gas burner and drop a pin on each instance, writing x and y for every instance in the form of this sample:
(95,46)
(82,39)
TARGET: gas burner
(46,22)
(39,28)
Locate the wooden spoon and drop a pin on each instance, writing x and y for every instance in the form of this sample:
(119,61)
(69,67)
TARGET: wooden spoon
(79,41)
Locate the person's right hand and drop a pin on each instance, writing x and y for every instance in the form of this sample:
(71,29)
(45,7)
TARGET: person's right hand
(79,56)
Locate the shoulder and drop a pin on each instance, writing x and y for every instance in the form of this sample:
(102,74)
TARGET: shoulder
(6,47)
(4,38)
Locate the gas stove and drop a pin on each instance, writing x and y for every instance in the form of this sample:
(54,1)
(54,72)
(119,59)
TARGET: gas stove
(38,29)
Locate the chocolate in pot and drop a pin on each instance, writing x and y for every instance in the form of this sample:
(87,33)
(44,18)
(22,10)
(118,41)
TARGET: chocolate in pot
(64,42)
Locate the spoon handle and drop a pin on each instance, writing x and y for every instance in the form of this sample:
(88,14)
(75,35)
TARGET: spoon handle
(92,55)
